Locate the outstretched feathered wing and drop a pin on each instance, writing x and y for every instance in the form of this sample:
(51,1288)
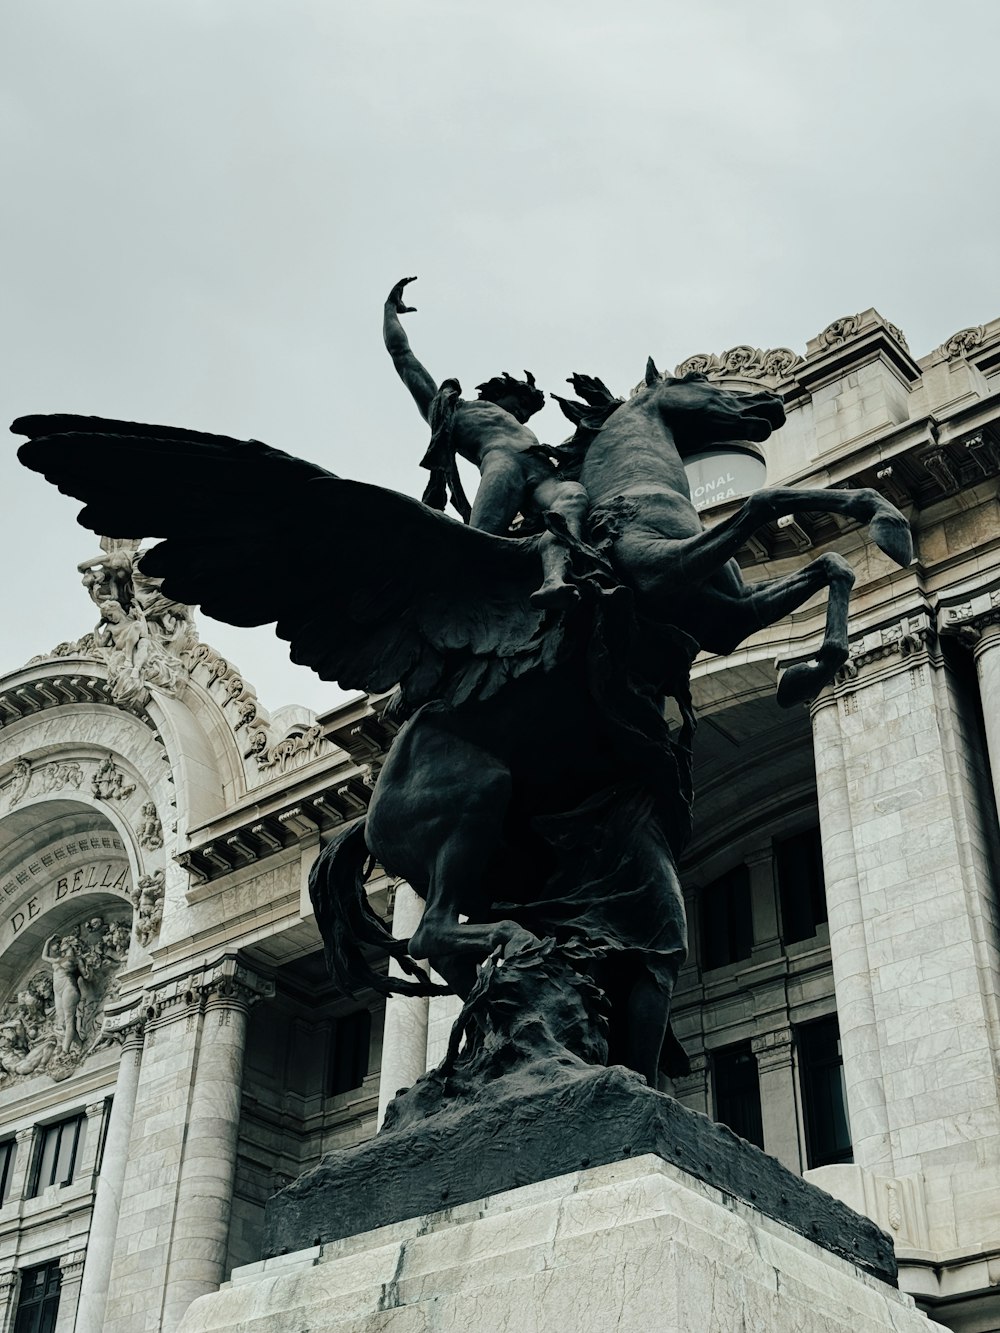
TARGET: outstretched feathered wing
(370,587)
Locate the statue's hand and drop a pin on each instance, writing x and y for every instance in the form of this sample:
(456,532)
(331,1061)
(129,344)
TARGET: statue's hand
(395,297)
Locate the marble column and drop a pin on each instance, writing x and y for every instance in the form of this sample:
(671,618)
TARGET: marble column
(200,1240)
(107,1200)
(849,943)
(404,1039)
(70,1275)
(778,1096)
(987,655)
(912,910)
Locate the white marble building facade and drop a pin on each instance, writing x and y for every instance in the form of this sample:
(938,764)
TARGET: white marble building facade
(171,1052)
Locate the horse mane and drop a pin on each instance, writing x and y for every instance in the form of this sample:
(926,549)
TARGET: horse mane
(588,417)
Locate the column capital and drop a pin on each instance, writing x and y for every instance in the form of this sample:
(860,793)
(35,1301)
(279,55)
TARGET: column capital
(231,982)
(901,644)
(71,1265)
(25,1135)
(973,618)
(94,1109)
(773,1048)
(227,981)
(760,855)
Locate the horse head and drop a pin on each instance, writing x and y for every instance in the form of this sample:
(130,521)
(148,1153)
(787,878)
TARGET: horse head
(700,413)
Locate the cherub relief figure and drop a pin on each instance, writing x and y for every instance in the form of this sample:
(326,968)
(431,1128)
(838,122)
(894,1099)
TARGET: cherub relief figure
(517,474)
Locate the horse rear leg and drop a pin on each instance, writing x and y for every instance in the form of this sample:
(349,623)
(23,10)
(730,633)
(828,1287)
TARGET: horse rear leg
(437,818)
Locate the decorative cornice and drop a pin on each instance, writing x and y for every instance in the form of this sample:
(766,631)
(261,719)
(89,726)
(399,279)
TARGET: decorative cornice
(284,826)
(960,344)
(838,331)
(743,362)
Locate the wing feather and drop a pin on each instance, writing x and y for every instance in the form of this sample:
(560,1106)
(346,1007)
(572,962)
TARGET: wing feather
(369,587)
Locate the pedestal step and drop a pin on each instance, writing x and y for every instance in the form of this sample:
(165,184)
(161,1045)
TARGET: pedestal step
(636,1246)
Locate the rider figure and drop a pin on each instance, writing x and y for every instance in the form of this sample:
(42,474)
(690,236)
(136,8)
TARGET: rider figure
(517,476)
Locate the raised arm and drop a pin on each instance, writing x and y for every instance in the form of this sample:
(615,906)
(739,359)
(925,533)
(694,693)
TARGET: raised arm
(422,388)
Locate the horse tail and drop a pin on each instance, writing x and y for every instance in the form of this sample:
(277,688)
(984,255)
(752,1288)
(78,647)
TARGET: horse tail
(347,923)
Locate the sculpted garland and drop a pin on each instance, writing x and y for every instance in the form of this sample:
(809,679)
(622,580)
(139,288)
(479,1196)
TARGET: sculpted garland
(534,796)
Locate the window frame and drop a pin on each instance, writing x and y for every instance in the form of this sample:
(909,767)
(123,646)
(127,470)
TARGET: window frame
(77,1124)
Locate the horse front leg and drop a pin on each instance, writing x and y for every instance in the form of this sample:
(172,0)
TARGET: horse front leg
(662,565)
(739,609)
(803,681)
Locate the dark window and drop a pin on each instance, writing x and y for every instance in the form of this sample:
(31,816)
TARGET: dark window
(726,920)
(58,1154)
(821,1072)
(38,1299)
(8,1154)
(737,1091)
(351,1038)
(799,865)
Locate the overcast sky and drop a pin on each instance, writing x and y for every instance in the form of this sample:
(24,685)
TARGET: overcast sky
(204,203)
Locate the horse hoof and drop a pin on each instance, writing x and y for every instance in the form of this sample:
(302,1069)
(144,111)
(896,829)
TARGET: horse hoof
(891,534)
(801,683)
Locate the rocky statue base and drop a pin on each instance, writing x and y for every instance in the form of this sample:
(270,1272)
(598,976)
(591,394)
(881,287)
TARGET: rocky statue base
(633,1246)
(445,1144)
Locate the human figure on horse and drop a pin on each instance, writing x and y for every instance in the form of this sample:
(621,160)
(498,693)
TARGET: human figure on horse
(517,475)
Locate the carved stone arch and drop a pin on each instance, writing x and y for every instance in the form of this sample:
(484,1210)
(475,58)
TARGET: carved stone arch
(204,751)
(66,912)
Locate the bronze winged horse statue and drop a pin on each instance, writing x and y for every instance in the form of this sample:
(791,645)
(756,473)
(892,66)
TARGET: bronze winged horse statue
(534,789)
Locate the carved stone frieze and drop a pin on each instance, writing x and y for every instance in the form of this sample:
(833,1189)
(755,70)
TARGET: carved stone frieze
(904,638)
(294,751)
(147,902)
(27,777)
(743,362)
(85,646)
(236,697)
(227,980)
(51,1020)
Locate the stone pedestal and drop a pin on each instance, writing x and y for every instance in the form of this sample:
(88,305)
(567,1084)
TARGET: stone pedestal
(633,1246)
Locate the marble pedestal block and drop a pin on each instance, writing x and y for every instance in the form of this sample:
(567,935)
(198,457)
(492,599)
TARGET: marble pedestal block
(639,1246)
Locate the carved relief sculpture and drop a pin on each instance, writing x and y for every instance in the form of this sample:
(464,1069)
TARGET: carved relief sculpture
(142,634)
(109,784)
(20,777)
(52,1020)
(150,830)
(147,900)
